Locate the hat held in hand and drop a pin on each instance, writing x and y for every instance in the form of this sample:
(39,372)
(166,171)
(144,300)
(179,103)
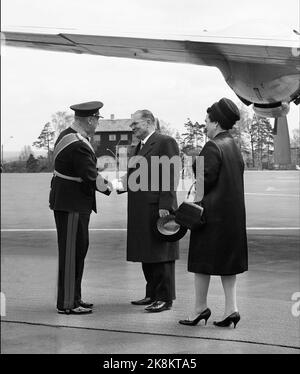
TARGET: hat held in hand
(168,230)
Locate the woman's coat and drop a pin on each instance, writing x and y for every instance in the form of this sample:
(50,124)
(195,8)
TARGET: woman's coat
(220,247)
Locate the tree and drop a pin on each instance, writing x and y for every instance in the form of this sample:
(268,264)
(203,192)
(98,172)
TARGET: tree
(295,138)
(165,128)
(261,138)
(60,121)
(46,139)
(25,153)
(32,164)
(194,137)
(240,133)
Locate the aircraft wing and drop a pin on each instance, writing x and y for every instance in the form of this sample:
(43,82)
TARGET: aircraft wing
(204,50)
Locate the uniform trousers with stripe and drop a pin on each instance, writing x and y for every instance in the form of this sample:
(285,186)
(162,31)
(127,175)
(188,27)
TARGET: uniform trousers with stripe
(73,241)
(160,278)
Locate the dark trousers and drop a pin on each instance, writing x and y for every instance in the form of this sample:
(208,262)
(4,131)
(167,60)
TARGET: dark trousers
(73,241)
(160,278)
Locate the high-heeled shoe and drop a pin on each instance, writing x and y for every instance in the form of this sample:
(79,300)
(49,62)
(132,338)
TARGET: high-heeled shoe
(204,315)
(232,318)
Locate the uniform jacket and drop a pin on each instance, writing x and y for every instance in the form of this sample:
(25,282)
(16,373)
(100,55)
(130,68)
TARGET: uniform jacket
(220,247)
(143,206)
(76,160)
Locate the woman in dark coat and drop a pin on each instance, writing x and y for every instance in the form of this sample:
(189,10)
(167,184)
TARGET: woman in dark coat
(220,247)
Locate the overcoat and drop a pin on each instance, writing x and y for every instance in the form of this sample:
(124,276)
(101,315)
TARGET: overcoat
(220,247)
(143,205)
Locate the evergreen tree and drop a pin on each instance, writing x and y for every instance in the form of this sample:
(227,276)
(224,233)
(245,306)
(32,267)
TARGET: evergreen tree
(32,164)
(261,137)
(46,139)
(194,136)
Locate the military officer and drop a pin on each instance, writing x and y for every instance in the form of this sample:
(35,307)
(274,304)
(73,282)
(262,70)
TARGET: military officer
(72,198)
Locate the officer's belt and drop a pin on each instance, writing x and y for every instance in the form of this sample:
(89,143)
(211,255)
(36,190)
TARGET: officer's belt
(75,179)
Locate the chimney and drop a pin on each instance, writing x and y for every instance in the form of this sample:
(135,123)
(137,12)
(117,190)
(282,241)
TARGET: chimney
(112,117)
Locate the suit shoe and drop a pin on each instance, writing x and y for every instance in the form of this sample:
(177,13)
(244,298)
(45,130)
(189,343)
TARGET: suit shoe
(78,310)
(144,301)
(85,305)
(159,306)
(204,315)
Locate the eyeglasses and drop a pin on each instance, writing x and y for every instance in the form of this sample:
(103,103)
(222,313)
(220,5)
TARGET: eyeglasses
(137,122)
(96,116)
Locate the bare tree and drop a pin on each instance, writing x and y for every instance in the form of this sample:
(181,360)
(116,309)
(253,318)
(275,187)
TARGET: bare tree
(166,128)
(60,121)
(241,134)
(295,139)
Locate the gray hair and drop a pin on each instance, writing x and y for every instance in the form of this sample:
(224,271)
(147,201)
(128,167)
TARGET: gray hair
(146,114)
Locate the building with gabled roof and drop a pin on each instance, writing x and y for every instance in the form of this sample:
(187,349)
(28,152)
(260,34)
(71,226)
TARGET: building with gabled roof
(112,138)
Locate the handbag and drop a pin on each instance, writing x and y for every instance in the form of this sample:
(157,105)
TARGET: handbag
(190,214)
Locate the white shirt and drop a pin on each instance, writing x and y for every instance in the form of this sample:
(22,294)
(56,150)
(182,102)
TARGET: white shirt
(143,142)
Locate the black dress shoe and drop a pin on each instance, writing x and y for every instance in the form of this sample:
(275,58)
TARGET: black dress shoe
(144,301)
(233,318)
(159,306)
(85,305)
(78,310)
(204,315)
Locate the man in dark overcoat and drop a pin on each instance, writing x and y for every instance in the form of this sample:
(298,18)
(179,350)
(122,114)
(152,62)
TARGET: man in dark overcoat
(153,198)
(72,198)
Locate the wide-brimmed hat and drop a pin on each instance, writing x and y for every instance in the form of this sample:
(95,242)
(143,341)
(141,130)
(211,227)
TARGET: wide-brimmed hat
(168,230)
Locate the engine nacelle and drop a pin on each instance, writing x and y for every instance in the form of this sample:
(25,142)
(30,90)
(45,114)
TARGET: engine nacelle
(272,111)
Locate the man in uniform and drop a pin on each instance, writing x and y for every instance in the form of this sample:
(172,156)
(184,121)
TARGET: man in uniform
(144,208)
(72,198)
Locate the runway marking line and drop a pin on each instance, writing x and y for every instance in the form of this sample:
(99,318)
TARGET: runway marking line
(271,194)
(150,333)
(123,229)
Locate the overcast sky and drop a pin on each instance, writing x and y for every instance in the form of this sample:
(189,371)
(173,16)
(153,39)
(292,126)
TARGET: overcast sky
(36,84)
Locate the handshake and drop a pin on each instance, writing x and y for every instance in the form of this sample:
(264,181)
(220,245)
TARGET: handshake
(105,186)
(116,184)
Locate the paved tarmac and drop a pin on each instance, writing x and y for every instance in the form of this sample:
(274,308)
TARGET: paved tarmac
(29,270)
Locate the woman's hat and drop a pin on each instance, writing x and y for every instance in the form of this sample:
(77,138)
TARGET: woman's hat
(168,230)
(225,112)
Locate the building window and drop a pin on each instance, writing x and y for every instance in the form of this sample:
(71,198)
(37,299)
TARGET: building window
(97,137)
(124,137)
(112,137)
